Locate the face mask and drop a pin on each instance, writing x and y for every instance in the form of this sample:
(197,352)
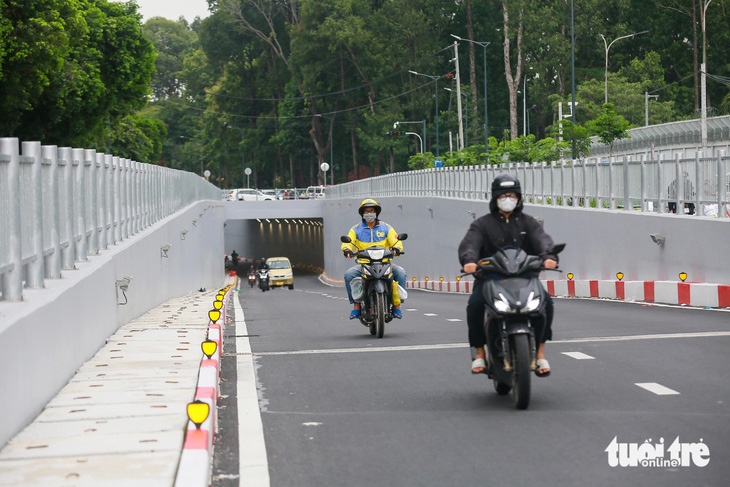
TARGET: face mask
(369,217)
(507,205)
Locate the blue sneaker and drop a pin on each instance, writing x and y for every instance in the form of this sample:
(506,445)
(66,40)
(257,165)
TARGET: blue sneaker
(354,314)
(397,314)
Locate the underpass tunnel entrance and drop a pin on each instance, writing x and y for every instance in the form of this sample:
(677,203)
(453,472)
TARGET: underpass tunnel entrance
(300,239)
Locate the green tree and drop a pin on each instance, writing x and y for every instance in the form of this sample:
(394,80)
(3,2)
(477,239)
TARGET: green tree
(609,126)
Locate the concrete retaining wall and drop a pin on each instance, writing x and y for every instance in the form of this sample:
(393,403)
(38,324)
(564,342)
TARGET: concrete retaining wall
(600,243)
(47,336)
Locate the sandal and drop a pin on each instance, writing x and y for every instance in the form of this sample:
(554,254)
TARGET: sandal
(542,364)
(354,314)
(397,314)
(479,362)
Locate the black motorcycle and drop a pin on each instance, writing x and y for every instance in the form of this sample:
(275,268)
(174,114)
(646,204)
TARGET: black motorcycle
(377,282)
(515,312)
(263,280)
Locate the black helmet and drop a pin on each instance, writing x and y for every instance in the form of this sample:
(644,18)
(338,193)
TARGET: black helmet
(505,183)
(369,203)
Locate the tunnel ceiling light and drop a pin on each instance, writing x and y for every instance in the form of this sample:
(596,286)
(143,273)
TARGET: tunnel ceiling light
(286,220)
(277,220)
(268,221)
(209,347)
(258,220)
(198,412)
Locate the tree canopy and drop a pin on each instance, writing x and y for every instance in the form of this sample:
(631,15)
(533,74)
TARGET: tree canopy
(282,86)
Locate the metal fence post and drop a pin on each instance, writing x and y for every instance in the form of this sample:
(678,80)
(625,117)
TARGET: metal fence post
(12,271)
(660,183)
(721,188)
(679,208)
(32,216)
(65,198)
(80,205)
(51,220)
(101,201)
(628,206)
(93,202)
(642,175)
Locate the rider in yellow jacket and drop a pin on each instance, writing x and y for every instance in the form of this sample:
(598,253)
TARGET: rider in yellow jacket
(370,232)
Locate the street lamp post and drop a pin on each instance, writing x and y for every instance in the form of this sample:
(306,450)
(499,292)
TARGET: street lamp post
(703,73)
(486,117)
(423,140)
(436,79)
(466,133)
(608,46)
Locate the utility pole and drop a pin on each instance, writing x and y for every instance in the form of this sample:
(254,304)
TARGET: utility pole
(458,98)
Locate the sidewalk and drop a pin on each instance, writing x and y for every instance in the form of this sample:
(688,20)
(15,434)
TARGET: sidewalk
(121,420)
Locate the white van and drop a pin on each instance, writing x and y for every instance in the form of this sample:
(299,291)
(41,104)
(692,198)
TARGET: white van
(252,195)
(315,192)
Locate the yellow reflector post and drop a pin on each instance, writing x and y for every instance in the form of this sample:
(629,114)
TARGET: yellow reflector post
(198,412)
(570,276)
(682,276)
(458,278)
(441,278)
(427,278)
(214,315)
(619,275)
(209,347)
(217,304)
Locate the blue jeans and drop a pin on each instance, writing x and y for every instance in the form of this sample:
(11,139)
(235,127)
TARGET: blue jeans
(399,274)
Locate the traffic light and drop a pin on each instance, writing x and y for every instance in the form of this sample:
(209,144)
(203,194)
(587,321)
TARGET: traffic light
(396,133)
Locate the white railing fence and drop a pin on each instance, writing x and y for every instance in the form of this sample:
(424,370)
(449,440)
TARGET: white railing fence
(60,205)
(701,185)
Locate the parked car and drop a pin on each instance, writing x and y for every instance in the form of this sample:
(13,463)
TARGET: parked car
(315,192)
(249,194)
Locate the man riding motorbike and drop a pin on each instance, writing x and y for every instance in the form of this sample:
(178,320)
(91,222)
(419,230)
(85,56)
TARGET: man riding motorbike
(505,226)
(370,232)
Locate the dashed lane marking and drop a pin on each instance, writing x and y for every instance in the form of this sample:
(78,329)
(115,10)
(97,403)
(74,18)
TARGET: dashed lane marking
(578,355)
(466,345)
(430,314)
(657,389)
(454,319)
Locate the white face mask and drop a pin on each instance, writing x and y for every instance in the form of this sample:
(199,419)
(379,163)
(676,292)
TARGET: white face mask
(369,217)
(507,205)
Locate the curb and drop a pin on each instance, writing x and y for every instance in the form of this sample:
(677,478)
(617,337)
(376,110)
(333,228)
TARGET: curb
(194,469)
(705,295)
(698,294)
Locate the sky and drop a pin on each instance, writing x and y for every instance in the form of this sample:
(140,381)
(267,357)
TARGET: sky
(173,9)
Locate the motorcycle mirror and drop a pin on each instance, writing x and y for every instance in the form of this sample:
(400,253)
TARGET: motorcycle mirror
(345,239)
(402,236)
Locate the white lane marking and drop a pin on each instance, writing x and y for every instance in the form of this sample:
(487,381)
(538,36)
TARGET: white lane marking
(252,458)
(454,319)
(466,345)
(657,389)
(312,424)
(578,355)
(411,309)
(430,314)
(702,334)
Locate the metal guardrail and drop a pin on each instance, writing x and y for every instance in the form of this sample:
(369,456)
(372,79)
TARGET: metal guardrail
(60,205)
(642,185)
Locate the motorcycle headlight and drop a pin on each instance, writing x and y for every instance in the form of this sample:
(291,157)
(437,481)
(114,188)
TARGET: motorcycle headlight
(533,302)
(502,305)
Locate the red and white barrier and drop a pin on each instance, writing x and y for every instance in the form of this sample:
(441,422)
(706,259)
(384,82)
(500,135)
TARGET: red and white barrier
(195,460)
(707,295)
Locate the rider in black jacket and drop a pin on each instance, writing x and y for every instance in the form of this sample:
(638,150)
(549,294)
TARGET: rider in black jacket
(505,226)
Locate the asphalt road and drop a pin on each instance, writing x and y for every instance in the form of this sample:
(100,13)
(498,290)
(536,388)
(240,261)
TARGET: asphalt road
(343,408)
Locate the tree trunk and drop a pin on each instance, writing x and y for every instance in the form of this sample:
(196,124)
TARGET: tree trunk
(353,140)
(513,82)
(472,70)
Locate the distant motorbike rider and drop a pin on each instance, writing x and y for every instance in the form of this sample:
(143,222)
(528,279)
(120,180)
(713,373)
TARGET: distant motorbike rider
(263,265)
(504,226)
(372,232)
